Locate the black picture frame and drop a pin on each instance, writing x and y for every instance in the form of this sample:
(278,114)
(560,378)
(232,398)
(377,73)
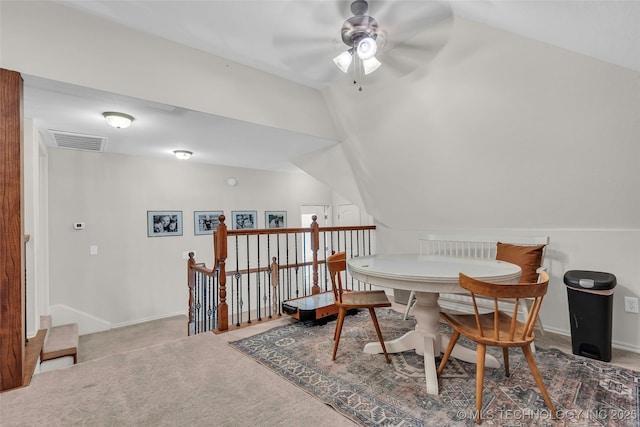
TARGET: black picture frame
(205,222)
(275,219)
(244,220)
(164,223)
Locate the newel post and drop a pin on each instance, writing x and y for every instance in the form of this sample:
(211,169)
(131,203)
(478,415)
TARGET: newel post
(315,245)
(191,282)
(220,251)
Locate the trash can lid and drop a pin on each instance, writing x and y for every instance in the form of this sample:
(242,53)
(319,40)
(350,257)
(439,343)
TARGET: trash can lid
(594,280)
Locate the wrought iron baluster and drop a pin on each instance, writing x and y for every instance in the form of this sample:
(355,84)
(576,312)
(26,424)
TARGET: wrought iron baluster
(214,301)
(204,301)
(324,256)
(248,284)
(305,272)
(237,279)
(279,289)
(258,293)
(198,302)
(268,290)
(297,266)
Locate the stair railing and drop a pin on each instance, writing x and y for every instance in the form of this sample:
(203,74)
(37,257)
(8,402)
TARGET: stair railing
(255,270)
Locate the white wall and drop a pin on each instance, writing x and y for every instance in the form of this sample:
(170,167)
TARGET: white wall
(501,132)
(134,277)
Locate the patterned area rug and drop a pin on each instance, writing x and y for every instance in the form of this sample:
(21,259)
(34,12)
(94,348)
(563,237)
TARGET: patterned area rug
(373,393)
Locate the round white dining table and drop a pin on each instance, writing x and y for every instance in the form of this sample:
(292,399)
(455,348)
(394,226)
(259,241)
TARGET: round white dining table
(428,275)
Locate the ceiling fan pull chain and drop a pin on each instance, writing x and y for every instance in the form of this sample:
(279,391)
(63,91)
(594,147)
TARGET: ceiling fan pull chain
(355,69)
(357,72)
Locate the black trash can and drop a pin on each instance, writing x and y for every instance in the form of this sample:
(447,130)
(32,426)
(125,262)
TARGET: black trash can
(590,295)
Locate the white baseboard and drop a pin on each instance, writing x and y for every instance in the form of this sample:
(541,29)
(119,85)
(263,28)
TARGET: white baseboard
(87,324)
(148,319)
(452,305)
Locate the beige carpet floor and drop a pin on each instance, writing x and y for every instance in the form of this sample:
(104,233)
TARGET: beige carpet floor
(151,374)
(187,381)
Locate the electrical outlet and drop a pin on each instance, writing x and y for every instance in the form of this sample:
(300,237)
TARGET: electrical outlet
(631,304)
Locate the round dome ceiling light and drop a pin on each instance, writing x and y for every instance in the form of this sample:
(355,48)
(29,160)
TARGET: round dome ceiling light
(118,120)
(182,154)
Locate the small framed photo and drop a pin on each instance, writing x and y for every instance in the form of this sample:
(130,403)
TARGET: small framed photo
(205,222)
(275,219)
(164,223)
(243,220)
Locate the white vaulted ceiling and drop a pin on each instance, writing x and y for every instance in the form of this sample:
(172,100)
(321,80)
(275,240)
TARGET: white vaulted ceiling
(296,40)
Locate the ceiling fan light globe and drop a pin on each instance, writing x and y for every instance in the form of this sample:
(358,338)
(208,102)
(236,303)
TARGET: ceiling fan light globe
(343,61)
(367,48)
(370,65)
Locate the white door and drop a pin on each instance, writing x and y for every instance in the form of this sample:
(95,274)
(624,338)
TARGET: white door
(348,215)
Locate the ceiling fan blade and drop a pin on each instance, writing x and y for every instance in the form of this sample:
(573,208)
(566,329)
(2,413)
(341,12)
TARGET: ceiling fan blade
(401,20)
(310,35)
(404,58)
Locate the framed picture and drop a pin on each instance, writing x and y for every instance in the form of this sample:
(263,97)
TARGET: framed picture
(164,223)
(243,220)
(205,222)
(275,219)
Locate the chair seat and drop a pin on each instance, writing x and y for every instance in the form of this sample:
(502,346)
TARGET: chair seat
(363,299)
(466,325)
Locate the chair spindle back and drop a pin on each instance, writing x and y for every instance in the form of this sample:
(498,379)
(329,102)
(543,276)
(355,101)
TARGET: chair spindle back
(514,293)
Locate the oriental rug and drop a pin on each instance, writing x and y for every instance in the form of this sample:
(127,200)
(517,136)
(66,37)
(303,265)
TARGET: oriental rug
(371,392)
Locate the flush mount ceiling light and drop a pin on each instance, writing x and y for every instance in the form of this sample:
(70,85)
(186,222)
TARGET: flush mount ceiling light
(118,120)
(359,33)
(182,154)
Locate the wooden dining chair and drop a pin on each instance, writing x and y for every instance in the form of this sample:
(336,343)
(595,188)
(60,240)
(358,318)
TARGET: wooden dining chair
(499,329)
(347,300)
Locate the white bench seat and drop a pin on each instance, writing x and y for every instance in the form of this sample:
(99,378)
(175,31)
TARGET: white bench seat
(473,246)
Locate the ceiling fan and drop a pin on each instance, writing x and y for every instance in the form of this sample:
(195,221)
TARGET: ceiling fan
(314,36)
(360,34)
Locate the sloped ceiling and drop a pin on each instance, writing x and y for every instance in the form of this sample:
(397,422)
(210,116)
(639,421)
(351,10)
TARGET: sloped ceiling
(296,41)
(267,34)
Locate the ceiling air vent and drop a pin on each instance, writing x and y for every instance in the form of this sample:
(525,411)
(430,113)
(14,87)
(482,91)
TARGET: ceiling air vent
(78,141)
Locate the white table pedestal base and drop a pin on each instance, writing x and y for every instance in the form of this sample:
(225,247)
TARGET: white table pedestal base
(426,340)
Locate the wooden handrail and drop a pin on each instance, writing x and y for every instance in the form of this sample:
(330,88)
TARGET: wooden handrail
(220,251)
